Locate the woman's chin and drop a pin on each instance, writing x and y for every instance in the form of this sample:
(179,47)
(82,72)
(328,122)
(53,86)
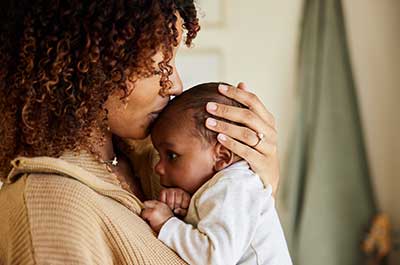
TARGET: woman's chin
(138,132)
(134,133)
(144,131)
(144,135)
(140,135)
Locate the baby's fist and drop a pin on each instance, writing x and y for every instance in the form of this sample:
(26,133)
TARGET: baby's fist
(178,200)
(156,213)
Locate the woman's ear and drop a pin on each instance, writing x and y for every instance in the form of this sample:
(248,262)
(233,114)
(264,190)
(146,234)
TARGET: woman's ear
(223,157)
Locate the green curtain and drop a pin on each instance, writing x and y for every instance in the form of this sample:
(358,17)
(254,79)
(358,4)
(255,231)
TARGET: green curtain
(326,197)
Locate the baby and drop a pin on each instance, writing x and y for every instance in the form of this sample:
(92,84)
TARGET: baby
(229,216)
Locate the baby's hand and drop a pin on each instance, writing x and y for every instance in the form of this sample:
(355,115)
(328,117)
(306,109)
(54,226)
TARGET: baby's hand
(177,200)
(156,213)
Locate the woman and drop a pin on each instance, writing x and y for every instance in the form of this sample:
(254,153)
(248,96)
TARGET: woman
(74,76)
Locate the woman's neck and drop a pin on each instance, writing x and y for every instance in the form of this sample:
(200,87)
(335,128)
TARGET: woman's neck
(122,170)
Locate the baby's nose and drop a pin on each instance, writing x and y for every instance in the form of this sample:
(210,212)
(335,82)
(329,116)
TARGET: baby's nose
(159,169)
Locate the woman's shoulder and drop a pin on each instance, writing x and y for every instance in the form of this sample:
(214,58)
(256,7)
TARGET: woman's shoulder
(57,215)
(81,216)
(44,207)
(53,200)
(60,189)
(38,190)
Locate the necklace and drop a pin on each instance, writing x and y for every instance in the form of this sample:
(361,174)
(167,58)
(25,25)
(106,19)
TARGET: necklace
(113,162)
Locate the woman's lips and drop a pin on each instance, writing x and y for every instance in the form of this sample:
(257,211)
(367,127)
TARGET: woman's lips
(153,115)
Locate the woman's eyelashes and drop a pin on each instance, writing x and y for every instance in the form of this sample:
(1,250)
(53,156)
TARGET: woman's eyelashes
(157,72)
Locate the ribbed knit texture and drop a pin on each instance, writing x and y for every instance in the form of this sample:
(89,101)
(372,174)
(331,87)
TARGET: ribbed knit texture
(72,211)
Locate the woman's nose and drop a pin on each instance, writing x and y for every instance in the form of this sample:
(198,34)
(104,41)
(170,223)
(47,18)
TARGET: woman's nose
(177,86)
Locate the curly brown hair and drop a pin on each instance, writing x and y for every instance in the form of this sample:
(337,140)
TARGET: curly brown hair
(60,60)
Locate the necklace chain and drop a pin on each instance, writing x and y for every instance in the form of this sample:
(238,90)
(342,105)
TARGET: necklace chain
(113,162)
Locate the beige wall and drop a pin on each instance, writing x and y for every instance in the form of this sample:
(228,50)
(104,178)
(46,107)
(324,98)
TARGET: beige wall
(374,37)
(258,45)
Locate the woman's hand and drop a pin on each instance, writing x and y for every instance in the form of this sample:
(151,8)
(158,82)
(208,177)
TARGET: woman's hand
(256,140)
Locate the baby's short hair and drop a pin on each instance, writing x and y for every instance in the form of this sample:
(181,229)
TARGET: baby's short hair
(193,101)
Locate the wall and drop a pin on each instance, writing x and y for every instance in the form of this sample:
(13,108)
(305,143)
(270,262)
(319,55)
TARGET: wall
(258,44)
(374,37)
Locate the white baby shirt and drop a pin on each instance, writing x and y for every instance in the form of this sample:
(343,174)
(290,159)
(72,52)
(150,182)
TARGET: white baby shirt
(231,220)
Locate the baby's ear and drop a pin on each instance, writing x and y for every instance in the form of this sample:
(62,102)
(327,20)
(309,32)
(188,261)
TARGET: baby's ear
(223,157)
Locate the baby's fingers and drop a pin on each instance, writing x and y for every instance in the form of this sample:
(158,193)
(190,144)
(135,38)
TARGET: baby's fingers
(182,199)
(180,212)
(147,213)
(171,199)
(185,200)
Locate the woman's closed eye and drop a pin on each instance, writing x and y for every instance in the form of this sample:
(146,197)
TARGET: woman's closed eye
(157,72)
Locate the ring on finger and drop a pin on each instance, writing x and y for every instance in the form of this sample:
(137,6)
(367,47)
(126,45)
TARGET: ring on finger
(260,137)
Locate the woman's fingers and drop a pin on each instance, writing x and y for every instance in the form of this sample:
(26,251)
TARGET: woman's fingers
(245,135)
(242,150)
(248,99)
(236,114)
(253,134)
(242,86)
(242,116)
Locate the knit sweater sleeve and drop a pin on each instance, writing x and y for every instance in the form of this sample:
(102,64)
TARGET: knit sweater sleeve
(15,240)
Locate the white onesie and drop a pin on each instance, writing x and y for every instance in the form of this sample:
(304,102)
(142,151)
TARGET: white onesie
(231,220)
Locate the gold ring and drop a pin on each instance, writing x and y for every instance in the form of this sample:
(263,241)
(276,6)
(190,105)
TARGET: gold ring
(260,137)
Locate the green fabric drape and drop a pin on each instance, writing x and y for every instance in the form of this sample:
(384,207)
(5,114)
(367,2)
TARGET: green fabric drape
(326,197)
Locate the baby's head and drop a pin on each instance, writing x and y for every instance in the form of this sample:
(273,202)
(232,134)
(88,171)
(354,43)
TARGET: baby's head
(189,152)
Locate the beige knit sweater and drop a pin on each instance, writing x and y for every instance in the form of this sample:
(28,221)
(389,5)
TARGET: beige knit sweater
(71,210)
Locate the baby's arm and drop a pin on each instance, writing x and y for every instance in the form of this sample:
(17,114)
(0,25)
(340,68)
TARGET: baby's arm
(228,216)
(171,200)
(156,213)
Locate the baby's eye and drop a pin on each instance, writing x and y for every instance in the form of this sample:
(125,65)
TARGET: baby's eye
(172,156)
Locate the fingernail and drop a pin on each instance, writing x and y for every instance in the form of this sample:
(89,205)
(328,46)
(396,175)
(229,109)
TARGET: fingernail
(211,106)
(221,137)
(223,88)
(211,122)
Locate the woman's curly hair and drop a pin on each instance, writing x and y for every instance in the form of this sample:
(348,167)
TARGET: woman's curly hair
(60,59)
